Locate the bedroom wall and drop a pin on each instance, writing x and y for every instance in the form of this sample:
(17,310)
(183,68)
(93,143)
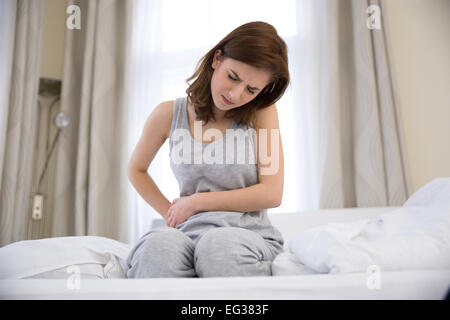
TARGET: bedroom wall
(420,44)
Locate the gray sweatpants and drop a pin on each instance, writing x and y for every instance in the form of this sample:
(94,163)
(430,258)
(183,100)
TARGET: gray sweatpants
(220,252)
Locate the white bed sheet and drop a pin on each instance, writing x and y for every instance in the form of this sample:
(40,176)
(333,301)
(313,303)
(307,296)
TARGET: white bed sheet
(290,224)
(291,280)
(412,284)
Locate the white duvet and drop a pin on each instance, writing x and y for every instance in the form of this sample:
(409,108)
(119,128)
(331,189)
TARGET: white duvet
(415,236)
(93,257)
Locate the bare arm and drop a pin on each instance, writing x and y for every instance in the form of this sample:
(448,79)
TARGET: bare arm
(154,134)
(240,200)
(268,193)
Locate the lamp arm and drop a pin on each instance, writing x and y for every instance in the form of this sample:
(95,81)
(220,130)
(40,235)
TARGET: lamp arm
(49,154)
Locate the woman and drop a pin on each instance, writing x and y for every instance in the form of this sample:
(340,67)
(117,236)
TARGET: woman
(218,226)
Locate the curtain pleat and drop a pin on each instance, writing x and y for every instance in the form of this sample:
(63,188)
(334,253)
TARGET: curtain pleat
(26,30)
(91,187)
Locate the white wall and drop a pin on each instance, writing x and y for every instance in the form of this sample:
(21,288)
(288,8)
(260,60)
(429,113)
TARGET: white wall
(420,41)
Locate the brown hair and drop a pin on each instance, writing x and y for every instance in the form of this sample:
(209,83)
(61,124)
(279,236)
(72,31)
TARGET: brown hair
(257,44)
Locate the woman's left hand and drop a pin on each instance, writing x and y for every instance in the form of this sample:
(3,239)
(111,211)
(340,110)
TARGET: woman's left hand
(180,210)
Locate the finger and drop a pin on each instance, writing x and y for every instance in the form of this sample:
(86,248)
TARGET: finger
(174,222)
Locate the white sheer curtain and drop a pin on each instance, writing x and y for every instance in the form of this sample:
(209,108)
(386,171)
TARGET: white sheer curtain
(169,38)
(20,45)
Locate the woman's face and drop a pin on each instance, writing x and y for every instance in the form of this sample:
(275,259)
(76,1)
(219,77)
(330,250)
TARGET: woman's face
(237,82)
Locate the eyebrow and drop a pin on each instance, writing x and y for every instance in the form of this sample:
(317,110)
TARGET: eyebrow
(237,76)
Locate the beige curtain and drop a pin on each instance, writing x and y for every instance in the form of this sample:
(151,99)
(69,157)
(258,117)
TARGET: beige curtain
(22,26)
(91,187)
(357,146)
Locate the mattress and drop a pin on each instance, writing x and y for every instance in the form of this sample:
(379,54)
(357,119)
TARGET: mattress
(411,284)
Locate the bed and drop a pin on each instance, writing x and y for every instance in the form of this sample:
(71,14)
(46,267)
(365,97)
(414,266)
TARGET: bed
(357,253)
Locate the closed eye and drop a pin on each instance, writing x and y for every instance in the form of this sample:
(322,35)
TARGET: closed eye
(234,79)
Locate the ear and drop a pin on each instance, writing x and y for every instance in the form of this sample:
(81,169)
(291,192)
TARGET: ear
(216,58)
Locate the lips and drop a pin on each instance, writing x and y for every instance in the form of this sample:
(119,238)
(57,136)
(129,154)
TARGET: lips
(226,101)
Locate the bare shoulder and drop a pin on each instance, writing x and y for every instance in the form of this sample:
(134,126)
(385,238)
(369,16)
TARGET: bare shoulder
(267,118)
(160,120)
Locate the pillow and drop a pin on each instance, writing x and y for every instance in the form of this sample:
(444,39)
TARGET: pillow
(409,238)
(415,236)
(434,193)
(95,257)
(290,224)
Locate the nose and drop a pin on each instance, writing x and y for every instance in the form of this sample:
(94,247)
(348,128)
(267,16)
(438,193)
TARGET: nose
(236,92)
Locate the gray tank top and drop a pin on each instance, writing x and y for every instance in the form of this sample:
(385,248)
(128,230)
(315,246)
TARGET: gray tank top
(225,164)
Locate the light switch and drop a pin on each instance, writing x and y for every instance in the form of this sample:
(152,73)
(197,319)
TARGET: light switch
(38,203)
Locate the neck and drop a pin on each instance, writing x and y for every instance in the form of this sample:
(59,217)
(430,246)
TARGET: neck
(218,114)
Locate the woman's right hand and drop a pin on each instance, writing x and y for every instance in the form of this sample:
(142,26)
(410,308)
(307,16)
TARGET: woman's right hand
(180,210)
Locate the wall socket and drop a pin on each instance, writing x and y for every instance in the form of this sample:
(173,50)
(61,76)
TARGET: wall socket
(38,205)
